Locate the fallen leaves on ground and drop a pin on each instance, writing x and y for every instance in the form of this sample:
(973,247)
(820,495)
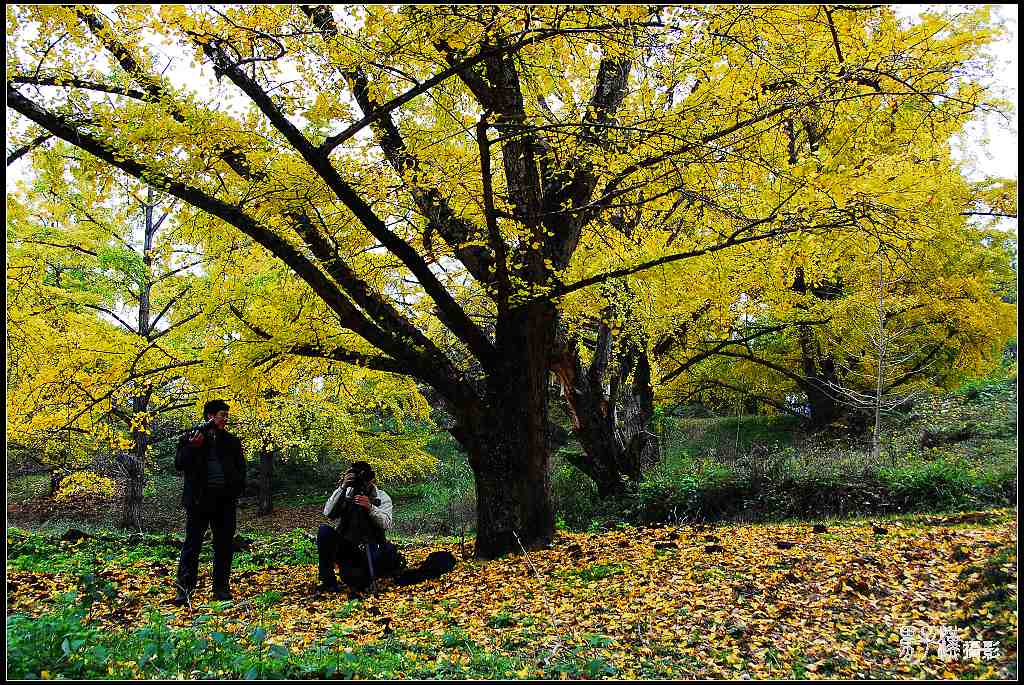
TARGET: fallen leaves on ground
(87,507)
(649,601)
(282,520)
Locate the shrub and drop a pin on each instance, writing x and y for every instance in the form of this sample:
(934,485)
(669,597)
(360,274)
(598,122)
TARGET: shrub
(443,503)
(941,483)
(575,495)
(23,488)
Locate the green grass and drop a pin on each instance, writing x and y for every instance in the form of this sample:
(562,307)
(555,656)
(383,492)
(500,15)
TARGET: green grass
(40,551)
(779,473)
(63,643)
(23,488)
(727,437)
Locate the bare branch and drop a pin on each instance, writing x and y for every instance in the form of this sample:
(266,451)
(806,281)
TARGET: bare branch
(121,321)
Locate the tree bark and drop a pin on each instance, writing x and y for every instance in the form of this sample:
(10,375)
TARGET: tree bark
(135,470)
(611,405)
(824,408)
(131,505)
(819,371)
(507,439)
(266,500)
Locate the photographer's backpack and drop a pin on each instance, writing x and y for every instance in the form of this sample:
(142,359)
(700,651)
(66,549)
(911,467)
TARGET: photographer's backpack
(434,566)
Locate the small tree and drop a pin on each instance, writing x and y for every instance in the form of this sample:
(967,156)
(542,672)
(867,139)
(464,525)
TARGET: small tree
(887,347)
(103,305)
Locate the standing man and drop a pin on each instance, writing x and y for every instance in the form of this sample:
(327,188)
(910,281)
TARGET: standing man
(211,459)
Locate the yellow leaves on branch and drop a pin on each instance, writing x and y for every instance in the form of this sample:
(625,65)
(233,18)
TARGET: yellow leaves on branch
(84,483)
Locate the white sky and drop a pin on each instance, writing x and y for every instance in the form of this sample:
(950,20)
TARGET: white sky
(992,141)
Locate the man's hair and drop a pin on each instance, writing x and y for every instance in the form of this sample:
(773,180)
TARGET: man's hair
(364,467)
(214,406)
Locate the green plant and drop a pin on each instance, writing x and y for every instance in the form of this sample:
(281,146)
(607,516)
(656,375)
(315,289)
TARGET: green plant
(46,643)
(267,599)
(502,619)
(598,572)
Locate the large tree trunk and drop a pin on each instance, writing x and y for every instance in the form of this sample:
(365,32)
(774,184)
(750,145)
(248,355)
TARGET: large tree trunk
(819,374)
(611,405)
(507,439)
(819,370)
(824,409)
(266,499)
(634,413)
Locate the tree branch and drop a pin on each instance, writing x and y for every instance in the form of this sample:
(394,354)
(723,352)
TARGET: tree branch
(835,34)
(762,398)
(26,148)
(262,334)
(562,290)
(73,82)
(439,214)
(494,235)
(449,311)
(155,92)
(341,354)
(233,215)
(169,304)
(67,247)
(110,313)
(174,325)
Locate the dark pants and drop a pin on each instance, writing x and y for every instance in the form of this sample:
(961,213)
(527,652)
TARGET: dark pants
(333,549)
(217,513)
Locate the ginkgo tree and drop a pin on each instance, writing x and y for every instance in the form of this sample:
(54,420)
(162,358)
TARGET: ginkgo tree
(456,172)
(102,310)
(710,320)
(813,350)
(119,282)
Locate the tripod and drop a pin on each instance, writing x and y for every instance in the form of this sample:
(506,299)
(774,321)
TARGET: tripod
(370,548)
(359,531)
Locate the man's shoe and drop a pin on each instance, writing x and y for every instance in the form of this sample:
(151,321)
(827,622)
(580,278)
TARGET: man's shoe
(222,594)
(181,599)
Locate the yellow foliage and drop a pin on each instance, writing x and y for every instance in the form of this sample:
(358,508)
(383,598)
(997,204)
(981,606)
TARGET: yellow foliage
(84,483)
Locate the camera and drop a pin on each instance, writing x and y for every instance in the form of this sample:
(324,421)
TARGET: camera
(355,524)
(360,484)
(193,432)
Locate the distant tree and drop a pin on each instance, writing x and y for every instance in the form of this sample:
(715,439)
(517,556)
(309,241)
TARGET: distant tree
(100,314)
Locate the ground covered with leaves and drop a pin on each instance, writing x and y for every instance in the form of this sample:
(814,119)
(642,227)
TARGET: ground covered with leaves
(778,600)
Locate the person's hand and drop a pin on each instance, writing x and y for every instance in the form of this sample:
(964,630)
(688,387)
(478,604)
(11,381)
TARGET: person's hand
(347,480)
(363,501)
(196,440)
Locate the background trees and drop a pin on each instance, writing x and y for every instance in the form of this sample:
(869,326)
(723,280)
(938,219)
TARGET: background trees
(101,318)
(439,182)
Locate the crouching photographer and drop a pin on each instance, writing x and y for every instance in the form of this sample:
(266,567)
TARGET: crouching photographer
(357,542)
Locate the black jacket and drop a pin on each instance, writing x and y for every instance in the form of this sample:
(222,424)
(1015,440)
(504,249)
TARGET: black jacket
(192,462)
